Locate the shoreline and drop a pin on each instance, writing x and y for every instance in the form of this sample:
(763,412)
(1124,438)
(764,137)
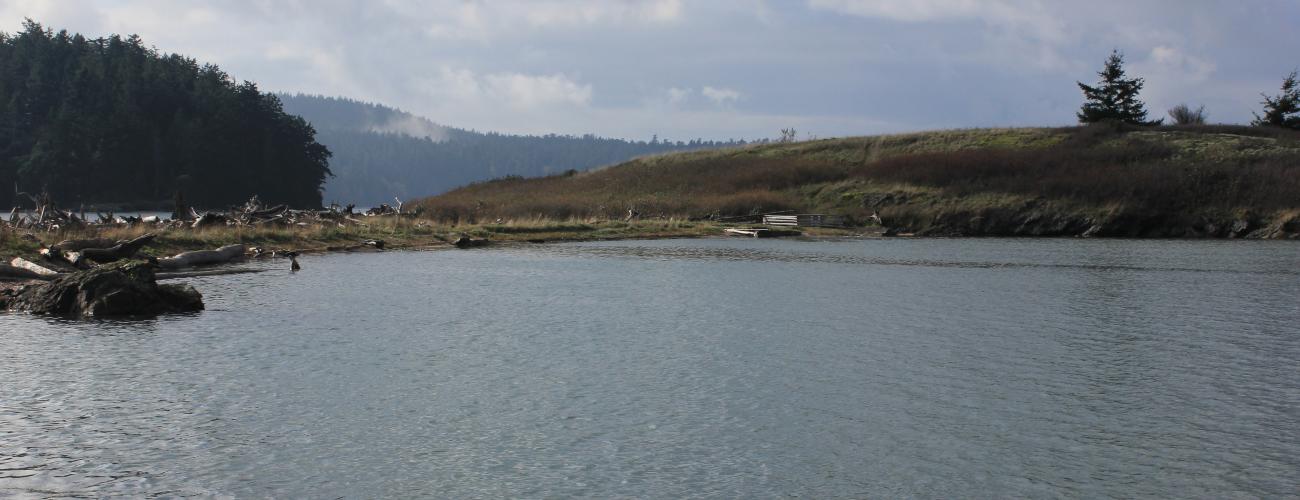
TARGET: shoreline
(423,234)
(398,233)
(406,234)
(395,233)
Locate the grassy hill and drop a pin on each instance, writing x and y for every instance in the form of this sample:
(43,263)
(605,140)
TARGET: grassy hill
(1216,181)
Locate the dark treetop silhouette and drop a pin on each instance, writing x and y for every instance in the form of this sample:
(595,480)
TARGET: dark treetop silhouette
(111,120)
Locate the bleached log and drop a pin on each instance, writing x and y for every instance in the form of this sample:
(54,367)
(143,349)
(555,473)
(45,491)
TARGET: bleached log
(203,257)
(276,210)
(11,272)
(210,219)
(54,255)
(22,263)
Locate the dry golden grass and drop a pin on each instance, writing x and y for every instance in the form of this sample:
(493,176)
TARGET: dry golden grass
(1155,169)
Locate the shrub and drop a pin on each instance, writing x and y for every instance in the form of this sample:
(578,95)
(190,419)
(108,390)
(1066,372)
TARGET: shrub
(1184,115)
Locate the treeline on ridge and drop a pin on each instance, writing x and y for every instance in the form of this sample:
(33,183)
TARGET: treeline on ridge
(381,152)
(111,121)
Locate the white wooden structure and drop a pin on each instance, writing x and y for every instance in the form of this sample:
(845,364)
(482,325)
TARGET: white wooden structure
(804,220)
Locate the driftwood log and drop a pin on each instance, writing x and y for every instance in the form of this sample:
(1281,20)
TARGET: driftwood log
(32,266)
(467,242)
(78,245)
(12,272)
(203,257)
(125,288)
(210,219)
(122,250)
(273,211)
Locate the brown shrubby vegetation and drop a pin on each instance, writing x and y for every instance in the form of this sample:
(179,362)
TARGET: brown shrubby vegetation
(1088,171)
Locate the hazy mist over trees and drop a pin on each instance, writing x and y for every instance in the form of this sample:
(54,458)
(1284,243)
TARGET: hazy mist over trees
(381,152)
(112,120)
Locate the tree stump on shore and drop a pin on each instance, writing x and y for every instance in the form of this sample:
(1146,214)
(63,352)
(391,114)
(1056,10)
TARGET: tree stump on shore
(121,289)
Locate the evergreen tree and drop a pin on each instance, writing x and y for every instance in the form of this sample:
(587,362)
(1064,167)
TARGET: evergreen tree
(1282,110)
(110,120)
(1115,98)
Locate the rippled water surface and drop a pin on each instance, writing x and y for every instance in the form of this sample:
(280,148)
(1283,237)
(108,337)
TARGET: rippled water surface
(669,369)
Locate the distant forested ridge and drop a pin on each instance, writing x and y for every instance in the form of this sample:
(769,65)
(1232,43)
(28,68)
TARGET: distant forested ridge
(109,120)
(381,153)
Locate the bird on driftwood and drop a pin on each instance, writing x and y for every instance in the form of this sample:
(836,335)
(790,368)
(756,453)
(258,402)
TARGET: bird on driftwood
(293,261)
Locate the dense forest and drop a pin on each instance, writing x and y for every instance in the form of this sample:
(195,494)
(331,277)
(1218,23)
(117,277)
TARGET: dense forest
(112,121)
(381,153)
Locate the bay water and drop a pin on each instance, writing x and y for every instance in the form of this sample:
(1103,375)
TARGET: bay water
(683,369)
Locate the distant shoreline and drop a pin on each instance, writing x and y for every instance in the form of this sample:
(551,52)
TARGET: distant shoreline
(409,233)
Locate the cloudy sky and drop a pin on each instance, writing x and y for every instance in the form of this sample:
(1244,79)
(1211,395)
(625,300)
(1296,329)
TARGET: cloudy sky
(719,68)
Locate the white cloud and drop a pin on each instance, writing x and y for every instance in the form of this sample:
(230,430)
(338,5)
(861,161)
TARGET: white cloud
(1026,15)
(1172,61)
(631,67)
(1027,30)
(325,63)
(571,12)
(1172,76)
(453,84)
(465,21)
(516,91)
(911,10)
(678,96)
(720,96)
(460,20)
(535,91)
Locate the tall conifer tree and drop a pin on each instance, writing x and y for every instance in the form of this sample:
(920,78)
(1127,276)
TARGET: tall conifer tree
(1115,98)
(1284,109)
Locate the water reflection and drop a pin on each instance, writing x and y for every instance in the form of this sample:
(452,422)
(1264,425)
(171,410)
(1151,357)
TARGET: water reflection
(689,250)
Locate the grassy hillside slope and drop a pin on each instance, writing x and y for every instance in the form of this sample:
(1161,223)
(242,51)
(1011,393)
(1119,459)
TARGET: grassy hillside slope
(1217,181)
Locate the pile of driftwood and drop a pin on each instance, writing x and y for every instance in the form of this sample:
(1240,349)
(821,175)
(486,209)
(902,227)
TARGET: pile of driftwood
(80,254)
(254,213)
(45,216)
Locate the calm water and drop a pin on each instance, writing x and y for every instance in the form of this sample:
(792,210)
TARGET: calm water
(670,369)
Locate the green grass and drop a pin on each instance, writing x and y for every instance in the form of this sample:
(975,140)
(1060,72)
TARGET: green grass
(13,244)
